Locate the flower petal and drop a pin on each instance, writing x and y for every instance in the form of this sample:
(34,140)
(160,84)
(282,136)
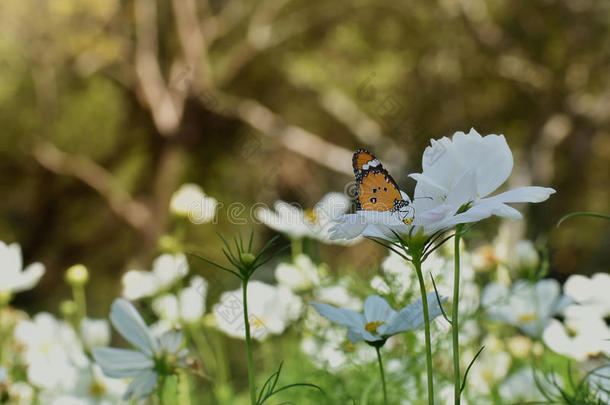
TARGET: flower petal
(142,385)
(131,326)
(344,317)
(170,341)
(412,316)
(29,277)
(533,194)
(376,309)
(121,363)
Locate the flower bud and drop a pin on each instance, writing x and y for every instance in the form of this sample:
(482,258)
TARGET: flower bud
(67,308)
(247,259)
(77,275)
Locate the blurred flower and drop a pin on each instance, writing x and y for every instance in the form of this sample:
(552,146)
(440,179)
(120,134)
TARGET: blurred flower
(458,176)
(297,223)
(599,382)
(188,306)
(270,310)
(489,368)
(51,351)
(191,202)
(94,333)
(484,258)
(522,386)
(578,338)
(167,269)
(13,277)
(3,374)
(77,275)
(526,305)
(524,255)
(379,321)
(591,293)
(326,353)
(300,275)
(520,346)
(21,393)
(154,356)
(339,296)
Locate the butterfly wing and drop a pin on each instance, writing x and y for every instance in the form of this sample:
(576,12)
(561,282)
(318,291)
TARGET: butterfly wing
(376,189)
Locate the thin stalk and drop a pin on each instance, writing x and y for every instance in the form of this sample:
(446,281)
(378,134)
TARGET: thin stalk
(454,318)
(385,391)
(424,299)
(296,247)
(78,292)
(249,346)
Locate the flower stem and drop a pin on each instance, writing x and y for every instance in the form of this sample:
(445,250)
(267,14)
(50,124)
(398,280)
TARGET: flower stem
(454,319)
(78,292)
(424,299)
(385,391)
(296,247)
(249,345)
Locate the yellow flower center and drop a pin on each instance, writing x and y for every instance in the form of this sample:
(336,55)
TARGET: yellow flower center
(372,326)
(97,389)
(527,317)
(310,215)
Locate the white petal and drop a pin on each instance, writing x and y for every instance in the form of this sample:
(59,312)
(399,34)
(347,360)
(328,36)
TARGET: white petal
(170,341)
(142,385)
(412,316)
(376,309)
(531,194)
(131,326)
(355,335)
(29,277)
(349,226)
(121,363)
(344,317)
(331,206)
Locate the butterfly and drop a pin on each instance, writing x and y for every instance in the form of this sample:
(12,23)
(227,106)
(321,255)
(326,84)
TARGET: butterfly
(376,190)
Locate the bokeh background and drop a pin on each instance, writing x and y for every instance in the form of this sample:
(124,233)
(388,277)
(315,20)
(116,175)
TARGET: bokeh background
(107,107)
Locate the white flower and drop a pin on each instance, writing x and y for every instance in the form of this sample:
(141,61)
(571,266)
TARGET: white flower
(457,173)
(3,374)
(301,275)
(339,296)
(526,305)
(13,277)
(21,393)
(143,363)
(94,333)
(490,367)
(521,386)
(297,223)
(379,321)
(591,293)
(579,338)
(191,202)
(167,269)
(188,306)
(270,310)
(52,351)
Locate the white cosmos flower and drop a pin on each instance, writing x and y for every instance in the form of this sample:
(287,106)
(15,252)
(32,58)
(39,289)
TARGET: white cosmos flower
(94,333)
(591,293)
(51,351)
(490,367)
(142,363)
(297,223)
(13,277)
(578,338)
(270,310)
(379,321)
(191,202)
(461,171)
(300,275)
(526,305)
(167,269)
(21,393)
(188,306)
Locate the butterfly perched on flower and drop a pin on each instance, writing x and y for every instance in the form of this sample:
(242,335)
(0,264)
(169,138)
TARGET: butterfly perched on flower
(376,190)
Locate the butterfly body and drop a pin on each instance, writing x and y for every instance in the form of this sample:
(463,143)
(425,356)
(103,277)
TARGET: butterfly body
(376,189)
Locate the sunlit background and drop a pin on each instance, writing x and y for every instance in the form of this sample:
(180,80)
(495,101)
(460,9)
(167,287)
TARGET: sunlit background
(108,107)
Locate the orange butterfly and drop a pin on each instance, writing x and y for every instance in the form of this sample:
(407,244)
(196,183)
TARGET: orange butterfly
(376,189)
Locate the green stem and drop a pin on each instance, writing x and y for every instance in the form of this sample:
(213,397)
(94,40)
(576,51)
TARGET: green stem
(424,299)
(249,345)
(78,291)
(454,319)
(385,391)
(296,247)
